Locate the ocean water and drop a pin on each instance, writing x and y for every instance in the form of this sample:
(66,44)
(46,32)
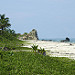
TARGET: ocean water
(72,40)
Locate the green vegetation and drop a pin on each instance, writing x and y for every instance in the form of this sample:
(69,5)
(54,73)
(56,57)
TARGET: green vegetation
(34,47)
(8,37)
(8,40)
(40,51)
(27,63)
(22,48)
(21,63)
(4,22)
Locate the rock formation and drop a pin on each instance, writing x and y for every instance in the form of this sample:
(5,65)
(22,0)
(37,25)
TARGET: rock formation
(66,40)
(30,36)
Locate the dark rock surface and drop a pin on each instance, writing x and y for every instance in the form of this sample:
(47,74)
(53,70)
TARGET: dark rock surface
(66,40)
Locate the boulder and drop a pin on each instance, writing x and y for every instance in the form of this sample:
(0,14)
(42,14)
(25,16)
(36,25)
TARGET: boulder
(66,40)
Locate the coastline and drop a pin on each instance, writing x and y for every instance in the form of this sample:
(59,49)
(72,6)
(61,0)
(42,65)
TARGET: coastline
(55,49)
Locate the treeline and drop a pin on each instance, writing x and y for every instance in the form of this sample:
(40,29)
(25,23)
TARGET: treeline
(8,37)
(5,30)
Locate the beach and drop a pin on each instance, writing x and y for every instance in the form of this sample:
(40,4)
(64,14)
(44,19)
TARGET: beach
(55,49)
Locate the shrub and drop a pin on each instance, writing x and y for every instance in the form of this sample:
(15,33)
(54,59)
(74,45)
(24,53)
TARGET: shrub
(34,47)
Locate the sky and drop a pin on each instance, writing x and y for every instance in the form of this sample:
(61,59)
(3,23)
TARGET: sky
(51,18)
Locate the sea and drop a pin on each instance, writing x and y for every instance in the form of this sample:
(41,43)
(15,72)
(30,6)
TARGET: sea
(72,40)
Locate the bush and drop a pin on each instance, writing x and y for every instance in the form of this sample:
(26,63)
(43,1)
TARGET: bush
(34,47)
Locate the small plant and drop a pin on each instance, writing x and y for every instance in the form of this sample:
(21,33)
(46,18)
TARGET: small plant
(42,51)
(34,47)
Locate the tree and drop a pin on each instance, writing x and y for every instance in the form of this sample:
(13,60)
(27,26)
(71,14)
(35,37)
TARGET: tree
(4,22)
(25,33)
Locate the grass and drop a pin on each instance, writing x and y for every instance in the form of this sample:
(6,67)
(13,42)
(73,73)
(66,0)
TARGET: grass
(13,44)
(27,63)
(23,48)
(10,43)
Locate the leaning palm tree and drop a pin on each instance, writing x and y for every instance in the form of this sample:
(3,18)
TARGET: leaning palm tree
(4,22)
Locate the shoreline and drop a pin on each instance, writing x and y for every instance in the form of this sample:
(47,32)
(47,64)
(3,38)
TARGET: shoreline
(55,49)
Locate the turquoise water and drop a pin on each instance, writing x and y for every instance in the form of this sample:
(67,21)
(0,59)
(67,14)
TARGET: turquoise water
(72,40)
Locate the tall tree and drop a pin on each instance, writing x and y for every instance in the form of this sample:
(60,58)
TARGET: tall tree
(4,22)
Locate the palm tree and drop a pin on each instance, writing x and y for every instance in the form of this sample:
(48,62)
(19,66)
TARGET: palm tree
(4,22)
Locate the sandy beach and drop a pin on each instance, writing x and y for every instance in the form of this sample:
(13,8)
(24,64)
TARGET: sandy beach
(56,49)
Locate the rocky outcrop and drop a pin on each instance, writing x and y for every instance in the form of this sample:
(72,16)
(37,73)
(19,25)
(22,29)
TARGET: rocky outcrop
(66,40)
(30,36)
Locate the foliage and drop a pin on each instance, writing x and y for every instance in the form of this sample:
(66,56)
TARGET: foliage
(27,63)
(25,33)
(42,51)
(10,53)
(1,53)
(9,40)
(19,35)
(22,48)
(4,22)
(8,37)
(12,32)
(34,47)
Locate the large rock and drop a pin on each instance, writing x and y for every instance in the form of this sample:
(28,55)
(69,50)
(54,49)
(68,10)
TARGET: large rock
(30,36)
(33,35)
(66,40)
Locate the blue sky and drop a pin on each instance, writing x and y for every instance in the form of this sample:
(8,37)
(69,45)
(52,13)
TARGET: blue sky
(51,18)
